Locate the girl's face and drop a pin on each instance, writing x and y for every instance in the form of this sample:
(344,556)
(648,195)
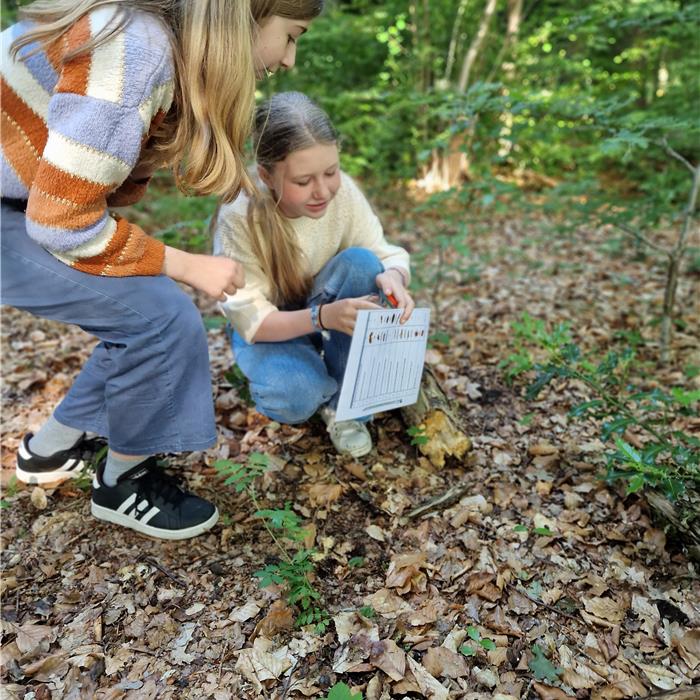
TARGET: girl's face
(306,181)
(276,43)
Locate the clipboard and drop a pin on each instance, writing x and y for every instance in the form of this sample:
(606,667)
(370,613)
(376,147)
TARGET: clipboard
(385,362)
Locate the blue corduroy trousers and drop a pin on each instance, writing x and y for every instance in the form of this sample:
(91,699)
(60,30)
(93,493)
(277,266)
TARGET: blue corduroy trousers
(147,386)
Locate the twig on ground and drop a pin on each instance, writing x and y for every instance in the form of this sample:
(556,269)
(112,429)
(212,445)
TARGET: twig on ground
(451,496)
(150,560)
(546,605)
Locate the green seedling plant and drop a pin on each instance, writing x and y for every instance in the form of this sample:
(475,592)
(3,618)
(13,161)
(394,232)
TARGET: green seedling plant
(544,531)
(9,490)
(542,667)
(367,611)
(239,382)
(668,459)
(293,568)
(418,435)
(479,643)
(341,691)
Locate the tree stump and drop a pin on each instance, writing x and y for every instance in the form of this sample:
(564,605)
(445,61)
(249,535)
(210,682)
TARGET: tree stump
(441,426)
(681,518)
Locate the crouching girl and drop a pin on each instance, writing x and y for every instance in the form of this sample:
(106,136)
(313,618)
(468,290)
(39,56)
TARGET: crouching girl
(314,254)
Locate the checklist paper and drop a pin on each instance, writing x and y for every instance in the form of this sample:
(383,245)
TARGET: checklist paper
(385,363)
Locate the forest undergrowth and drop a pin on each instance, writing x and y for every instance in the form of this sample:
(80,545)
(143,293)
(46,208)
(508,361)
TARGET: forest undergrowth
(538,579)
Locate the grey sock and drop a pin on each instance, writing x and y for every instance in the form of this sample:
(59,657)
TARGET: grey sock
(53,437)
(116,466)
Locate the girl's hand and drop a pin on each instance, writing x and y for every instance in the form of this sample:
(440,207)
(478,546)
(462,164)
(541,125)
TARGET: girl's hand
(391,282)
(214,275)
(341,315)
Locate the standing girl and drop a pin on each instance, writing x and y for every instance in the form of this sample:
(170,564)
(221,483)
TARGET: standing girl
(96,94)
(313,251)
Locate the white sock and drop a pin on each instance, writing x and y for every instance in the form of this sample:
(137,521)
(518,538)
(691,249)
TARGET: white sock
(116,466)
(54,437)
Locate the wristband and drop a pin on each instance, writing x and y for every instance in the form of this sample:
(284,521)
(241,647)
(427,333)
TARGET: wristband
(320,322)
(314,318)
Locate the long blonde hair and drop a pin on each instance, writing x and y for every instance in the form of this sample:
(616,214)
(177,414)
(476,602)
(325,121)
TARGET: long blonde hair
(203,136)
(287,122)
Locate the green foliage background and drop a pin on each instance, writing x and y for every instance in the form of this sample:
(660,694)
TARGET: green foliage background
(577,75)
(582,94)
(585,88)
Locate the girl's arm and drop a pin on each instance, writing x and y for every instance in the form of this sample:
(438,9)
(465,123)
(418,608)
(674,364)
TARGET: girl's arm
(339,315)
(213,275)
(94,128)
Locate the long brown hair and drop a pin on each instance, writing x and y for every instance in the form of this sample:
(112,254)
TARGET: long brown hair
(287,122)
(203,137)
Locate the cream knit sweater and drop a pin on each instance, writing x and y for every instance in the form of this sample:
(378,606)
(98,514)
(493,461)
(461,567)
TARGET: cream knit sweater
(348,222)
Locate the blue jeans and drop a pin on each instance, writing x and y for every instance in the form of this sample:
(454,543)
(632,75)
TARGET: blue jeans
(289,380)
(146,386)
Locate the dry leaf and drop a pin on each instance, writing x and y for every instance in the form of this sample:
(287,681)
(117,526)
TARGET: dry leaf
(441,662)
(429,686)
(547,692)
(279,617)
(604,609)
(388,657)
(324,494)
(258,665)
(244,612)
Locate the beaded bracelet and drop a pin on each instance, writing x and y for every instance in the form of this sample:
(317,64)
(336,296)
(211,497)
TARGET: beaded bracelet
(314,317)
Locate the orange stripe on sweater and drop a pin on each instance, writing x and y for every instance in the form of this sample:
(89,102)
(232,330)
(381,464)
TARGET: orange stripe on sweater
(145,254)
(61,185)
(20,112)
(54,53)
(18,151)
(48,211)
(76,72)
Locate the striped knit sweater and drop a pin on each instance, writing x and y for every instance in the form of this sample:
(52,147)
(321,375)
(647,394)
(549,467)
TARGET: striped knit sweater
(72,133)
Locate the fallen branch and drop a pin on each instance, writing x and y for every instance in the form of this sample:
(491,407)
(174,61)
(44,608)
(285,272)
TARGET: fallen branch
(444,500)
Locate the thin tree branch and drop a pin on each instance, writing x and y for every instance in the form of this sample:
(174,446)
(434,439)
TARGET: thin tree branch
(674,154)
(643,239)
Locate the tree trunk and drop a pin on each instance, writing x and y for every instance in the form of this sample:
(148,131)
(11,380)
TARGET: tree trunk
(675,258)
(446,437)
(507,66)
(454,41)
(449,167)
(477,42)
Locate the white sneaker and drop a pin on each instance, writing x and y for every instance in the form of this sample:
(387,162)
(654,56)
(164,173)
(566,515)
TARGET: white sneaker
(348,436)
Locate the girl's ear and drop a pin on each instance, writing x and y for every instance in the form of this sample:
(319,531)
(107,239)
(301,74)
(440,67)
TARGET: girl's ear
(265,175)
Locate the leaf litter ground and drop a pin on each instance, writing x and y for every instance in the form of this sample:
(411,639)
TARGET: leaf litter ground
(537,580)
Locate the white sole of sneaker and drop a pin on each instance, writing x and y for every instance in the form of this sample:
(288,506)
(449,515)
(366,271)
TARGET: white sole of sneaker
(111,516)
(56,476)
(360,452)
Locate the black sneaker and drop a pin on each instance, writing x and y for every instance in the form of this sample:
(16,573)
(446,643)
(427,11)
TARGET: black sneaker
(148,500)
(58,467)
